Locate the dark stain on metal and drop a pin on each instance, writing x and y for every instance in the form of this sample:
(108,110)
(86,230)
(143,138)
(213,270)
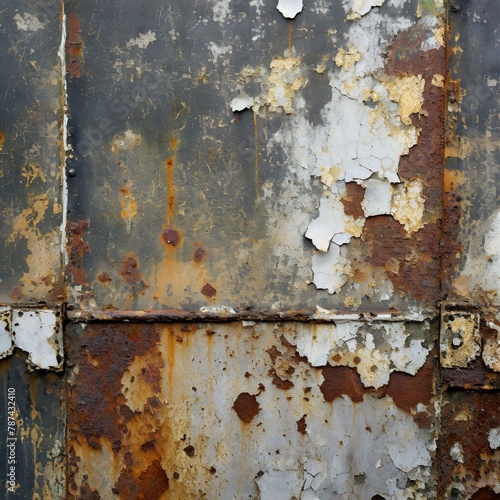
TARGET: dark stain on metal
(199,254)
(485,494)
(131,273)
(189,451)
(302,425)
(246,407)
(74,47)
(104,277)
(208,290)
(352,200)
(86,493)
(77,247)
(171,236)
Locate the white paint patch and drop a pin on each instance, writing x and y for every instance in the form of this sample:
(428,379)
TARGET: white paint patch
(331,269)
(494,438)
(358,8)
(332,225)
(221,10)
(243,101)
(28,22)
(457,453)
(6,344)
(374,350)
(378,197)
(142,41)
(290,8)
(218,51)
(280,484)
(217,310)
(39,333)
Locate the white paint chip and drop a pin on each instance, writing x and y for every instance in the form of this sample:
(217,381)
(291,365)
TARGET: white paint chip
(243,101)
(28,22)
(494,438)
(290,8)
(39,333)
(143,40)
(457,453)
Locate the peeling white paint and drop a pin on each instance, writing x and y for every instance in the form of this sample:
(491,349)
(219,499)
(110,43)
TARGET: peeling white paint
(457,453)
(39,333)
(358,8)
(280,485)
(218,51)
(375,351)
(143,40)
(331,268)
(28,22)
(243,101)
(290,8)
(332,225)
(378,197)
(494,438)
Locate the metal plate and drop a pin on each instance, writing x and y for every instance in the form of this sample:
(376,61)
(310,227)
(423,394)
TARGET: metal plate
(180,203)
(31,117)
(251,410)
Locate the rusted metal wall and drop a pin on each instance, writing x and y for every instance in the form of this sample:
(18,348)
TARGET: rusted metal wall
(470,344)
(272,289)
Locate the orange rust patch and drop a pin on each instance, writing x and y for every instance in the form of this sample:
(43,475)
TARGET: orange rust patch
(76,250)
(2,140)
(151,483)
(209,291)
(131,273)
(104,413)
(104,277)
(171,236)
(340,380)
(413,265)
(467,418)
(74,47)
(352,200)
(302,425)
(246,407)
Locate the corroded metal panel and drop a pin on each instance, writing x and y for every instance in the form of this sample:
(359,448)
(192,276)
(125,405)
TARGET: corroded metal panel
(470,446)
(226,157)
(31,152)
(473,156)
(251,410)
(32,432)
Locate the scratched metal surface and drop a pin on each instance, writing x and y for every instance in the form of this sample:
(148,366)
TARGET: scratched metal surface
(179,203)
(31,207)
(251,410)
(40,469)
